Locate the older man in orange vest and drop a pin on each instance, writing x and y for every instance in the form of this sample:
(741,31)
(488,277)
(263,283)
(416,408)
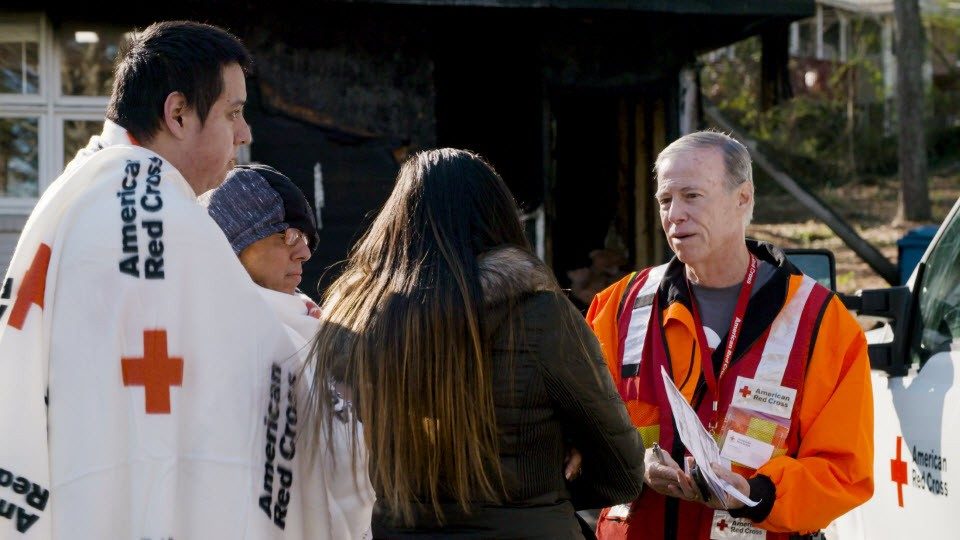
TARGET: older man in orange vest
(774,365)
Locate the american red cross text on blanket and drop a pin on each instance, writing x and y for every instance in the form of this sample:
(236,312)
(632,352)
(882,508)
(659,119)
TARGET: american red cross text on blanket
(136,393)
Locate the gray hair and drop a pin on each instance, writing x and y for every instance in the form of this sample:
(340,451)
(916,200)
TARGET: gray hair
(736,158)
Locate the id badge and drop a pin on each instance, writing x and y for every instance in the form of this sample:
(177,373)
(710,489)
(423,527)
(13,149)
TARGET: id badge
(727,527)
(757,422)
(746,450)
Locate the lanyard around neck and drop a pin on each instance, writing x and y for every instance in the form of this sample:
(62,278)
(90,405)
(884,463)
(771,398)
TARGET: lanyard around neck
(736,325)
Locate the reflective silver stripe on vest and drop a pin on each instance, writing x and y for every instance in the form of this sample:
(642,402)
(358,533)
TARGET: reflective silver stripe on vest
(640,318)
(783,332)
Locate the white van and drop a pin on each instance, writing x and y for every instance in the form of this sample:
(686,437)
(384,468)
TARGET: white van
(915,356)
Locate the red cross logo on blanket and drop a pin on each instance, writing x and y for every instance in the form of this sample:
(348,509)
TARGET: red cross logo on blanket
(745,391)
(32,288)
(155,371)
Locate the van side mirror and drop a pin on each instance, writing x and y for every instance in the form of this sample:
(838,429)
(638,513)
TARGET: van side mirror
(892,305)
(816,263)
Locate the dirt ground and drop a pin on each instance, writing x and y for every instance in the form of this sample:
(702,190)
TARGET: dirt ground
(870,209)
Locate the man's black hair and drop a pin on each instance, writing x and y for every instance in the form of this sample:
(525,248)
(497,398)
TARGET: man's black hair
(171,56)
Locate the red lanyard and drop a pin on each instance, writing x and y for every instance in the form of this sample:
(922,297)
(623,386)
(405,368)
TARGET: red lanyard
(735,326)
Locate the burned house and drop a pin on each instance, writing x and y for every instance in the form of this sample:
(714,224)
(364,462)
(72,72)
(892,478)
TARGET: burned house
(569,99)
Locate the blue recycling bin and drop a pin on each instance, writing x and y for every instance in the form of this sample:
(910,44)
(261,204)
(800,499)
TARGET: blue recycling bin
(910,249)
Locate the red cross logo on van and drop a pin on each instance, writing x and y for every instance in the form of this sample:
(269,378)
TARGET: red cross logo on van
(898,473)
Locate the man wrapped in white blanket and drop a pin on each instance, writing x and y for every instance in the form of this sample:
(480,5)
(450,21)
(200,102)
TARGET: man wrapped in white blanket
(148,391)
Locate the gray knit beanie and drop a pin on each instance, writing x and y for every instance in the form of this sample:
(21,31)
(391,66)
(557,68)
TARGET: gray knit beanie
(257,201)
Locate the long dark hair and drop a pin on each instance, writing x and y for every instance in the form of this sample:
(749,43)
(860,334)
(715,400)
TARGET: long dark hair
(403,328)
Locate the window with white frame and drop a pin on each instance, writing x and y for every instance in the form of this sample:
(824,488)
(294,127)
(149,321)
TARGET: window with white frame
(54,88)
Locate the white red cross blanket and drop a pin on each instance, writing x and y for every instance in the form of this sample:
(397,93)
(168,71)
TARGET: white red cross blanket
(147,391)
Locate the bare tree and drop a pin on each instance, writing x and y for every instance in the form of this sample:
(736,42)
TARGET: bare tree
(914,203)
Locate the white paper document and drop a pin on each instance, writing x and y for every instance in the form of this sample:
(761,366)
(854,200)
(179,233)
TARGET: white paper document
(699,441)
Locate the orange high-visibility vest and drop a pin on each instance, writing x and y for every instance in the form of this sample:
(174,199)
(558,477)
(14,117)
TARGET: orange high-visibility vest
(820,353)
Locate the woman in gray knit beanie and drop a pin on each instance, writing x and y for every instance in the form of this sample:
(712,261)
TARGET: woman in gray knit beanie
(268,222)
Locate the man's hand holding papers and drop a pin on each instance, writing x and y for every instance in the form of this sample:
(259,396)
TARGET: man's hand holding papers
(664,476)
(728,490)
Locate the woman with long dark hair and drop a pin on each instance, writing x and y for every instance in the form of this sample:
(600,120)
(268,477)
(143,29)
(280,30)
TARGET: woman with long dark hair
(473,376)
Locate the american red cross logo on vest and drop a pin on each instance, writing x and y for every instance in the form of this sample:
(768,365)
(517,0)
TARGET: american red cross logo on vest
(745,391)
(722,524)
(155,371)
(898,473)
